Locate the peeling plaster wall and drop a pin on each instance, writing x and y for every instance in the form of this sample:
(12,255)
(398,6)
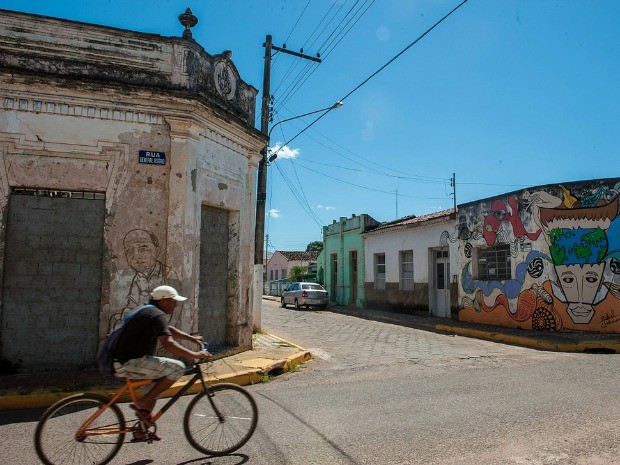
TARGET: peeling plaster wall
(564,252)
(62,132)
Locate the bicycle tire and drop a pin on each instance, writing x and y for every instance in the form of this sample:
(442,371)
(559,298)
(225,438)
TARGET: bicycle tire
(212,435)
(55,437)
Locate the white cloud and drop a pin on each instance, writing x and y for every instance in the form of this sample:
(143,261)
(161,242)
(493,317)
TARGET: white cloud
(325,207)
(274,213)
(284,151)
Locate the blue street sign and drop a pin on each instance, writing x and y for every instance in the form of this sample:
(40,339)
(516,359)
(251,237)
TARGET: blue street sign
(152,158)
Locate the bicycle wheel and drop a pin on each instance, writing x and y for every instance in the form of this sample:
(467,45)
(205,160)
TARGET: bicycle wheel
(56,438)
(221,420)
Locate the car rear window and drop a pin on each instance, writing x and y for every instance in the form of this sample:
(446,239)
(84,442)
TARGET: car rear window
(314,287)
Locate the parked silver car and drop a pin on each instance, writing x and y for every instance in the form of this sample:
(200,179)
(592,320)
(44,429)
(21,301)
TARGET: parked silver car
(304,295)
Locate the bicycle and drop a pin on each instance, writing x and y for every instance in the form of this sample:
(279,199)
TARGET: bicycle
(90,428)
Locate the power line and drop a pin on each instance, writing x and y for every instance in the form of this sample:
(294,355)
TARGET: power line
(404,175)
(369,188)
(375,173)
(420,178)
(309,68)
(403,51)
(330,50)
(303,205)
(379,70)
(305,74)
(297,22)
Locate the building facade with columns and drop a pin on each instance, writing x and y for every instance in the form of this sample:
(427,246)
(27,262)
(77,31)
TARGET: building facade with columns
(127,160)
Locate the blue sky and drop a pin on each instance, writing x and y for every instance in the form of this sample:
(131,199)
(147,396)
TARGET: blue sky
(504,93)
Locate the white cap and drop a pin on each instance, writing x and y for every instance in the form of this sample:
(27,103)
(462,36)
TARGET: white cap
(166,292)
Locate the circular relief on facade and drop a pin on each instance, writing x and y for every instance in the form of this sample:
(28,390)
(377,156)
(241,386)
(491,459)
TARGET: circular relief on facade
(225,81)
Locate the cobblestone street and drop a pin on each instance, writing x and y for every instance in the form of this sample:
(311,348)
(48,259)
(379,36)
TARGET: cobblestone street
(363,343)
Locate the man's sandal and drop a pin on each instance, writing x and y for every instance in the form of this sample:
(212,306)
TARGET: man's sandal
(143,414)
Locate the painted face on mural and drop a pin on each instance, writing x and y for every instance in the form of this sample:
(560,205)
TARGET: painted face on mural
(580,284)
(141,250)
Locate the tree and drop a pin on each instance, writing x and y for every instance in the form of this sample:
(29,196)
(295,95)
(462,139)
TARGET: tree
(316,245)
(298,273)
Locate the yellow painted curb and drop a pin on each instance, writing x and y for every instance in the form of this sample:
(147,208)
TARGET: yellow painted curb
(531,342)
(244,376)
(594,345)
(292,344)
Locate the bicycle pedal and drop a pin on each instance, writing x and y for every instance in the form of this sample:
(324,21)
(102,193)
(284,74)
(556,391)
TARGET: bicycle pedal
(139,436)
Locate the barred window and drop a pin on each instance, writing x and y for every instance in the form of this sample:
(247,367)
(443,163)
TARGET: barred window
(494,263)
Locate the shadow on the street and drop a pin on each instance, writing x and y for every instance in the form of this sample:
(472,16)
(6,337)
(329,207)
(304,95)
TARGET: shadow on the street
(232,459)
(20,416)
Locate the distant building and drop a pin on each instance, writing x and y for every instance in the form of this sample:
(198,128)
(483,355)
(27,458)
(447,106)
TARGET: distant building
(127,160)
(281,262)
(340,266)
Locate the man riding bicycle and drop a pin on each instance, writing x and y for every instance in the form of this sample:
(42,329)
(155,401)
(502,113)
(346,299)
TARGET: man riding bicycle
(135,353)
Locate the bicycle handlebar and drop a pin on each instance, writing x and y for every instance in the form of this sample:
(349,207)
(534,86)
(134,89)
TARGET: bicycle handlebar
(203,346)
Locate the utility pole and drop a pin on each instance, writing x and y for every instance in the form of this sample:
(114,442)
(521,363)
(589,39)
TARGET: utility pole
(261,191)
(397,203)
(453,184)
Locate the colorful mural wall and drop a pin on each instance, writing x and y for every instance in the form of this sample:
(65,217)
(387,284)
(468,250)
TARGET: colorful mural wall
(564,258)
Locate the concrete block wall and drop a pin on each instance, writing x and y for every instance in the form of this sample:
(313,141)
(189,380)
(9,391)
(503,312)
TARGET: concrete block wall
(52,280)
(213,290)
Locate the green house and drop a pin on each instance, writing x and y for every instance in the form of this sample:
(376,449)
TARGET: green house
(340,266)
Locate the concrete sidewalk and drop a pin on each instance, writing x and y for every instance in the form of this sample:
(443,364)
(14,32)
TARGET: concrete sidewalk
(270,356)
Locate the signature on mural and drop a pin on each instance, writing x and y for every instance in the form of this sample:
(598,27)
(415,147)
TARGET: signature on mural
(142,252)
(564,288)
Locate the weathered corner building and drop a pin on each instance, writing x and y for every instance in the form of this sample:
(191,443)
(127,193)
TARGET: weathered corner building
(127,160)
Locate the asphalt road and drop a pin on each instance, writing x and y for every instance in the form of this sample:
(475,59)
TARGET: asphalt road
(378,393)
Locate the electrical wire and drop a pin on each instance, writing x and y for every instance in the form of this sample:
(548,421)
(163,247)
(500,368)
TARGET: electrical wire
(297,22)
(374,173)
(376,72)
(369,188)
(309,68)
(377,166)
(295,193)
(305,205)
(403,51)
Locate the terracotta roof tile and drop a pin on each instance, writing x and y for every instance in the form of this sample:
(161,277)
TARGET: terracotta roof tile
(300,256)
(413,220)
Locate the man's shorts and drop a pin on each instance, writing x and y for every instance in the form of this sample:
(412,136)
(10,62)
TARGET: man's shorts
(150,367)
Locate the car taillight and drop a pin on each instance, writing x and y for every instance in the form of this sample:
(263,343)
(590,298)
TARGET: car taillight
(304,294)
(326,294)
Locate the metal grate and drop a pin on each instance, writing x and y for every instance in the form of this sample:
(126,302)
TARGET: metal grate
(494,263)
(59,193)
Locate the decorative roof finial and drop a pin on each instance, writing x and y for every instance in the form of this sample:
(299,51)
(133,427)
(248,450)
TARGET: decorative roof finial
(188,20)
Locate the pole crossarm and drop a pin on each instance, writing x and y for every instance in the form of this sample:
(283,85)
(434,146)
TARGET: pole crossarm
(297,54)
